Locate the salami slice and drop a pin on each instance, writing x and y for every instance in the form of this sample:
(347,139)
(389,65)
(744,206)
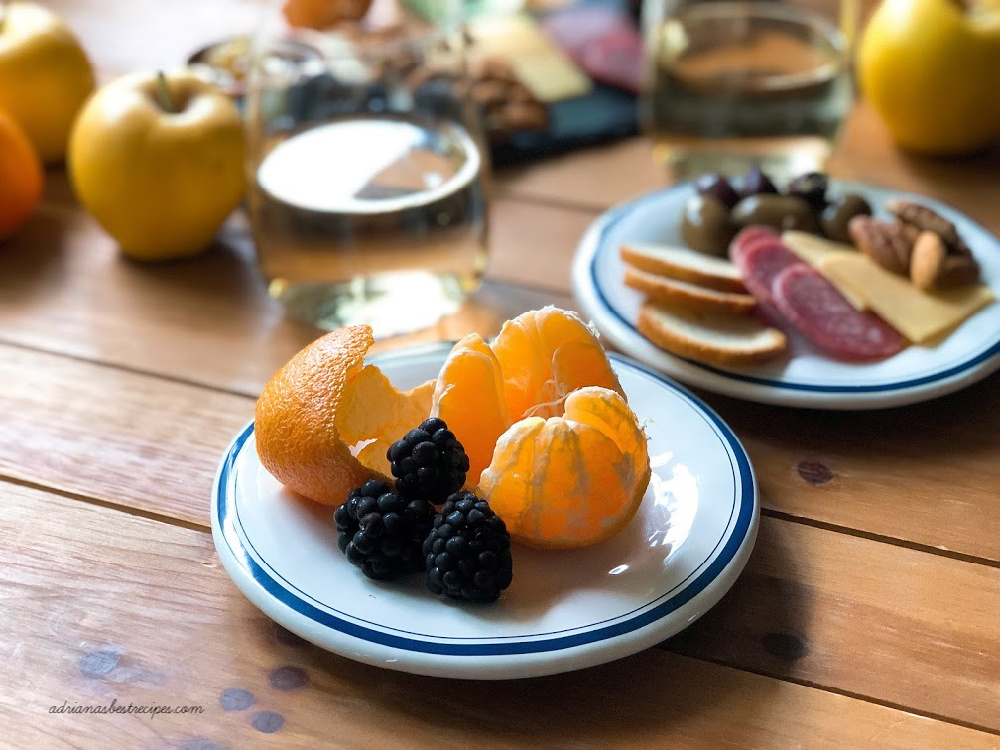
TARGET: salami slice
(746,238)
(814,306)
(761,264)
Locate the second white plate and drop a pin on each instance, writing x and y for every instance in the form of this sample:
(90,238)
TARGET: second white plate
(807,378)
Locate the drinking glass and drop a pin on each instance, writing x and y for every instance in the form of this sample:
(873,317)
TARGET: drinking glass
(733,83)
(367,170)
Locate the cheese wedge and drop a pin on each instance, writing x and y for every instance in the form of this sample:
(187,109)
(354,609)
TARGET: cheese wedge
(538,62)
(920,316)
(815,250)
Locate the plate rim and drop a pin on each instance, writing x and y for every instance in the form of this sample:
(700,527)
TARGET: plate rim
(586,645)
(624,334)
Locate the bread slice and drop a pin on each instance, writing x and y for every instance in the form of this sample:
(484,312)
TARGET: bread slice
(684,264)
(691,296)
(715,338)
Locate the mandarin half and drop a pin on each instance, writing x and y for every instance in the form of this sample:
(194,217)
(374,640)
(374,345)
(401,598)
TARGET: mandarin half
(572,480)
(324,405)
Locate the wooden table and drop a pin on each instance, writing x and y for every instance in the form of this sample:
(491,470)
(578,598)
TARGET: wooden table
(867,616)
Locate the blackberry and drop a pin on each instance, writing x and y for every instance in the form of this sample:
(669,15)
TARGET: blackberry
(382,532)
(467,553)
(428,462)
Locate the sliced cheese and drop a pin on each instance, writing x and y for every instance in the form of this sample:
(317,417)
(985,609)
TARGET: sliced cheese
(920,316)
(537,61)
(815,250)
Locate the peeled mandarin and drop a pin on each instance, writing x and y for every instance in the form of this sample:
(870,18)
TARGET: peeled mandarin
(469,397)
(545,355)
(571,480)
(322,406)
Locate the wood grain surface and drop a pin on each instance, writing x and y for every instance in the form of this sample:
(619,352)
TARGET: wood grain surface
(78,573)
(866,616)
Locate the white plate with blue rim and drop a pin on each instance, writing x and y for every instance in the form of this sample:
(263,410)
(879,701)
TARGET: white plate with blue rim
(806,378)
(564,610)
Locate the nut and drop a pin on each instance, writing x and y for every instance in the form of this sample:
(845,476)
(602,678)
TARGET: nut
(932,268)
(958,270)
(927,219)
(489,93)
(507,106)
(929,252)
(888,243)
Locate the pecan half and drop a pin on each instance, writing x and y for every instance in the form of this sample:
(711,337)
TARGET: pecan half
(926,219)
(888,243)
(958,270)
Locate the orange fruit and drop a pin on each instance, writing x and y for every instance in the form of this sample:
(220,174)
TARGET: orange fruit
(21,177)
(469,397)
(324,417)
(572,480)
(321,14)
(545,355)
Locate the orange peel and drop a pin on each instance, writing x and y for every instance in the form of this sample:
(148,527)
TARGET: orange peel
(325,420)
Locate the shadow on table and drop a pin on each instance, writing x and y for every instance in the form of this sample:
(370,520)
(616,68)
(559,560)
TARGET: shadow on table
(33,259)
(655,693)
(762,623)
(626,703)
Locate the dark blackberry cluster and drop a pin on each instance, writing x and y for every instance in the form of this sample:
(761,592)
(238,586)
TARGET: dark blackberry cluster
(467,553)
(381,532)
(428,462)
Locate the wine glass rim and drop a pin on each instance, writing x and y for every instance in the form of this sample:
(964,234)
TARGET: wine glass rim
(783,12)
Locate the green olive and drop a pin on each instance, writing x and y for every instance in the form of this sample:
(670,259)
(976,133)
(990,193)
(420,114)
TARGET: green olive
(706,226)
(779,211)
(838,214)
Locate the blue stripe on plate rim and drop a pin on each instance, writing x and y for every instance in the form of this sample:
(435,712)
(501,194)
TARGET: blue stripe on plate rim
(244,539)
(617,214)
(296,601)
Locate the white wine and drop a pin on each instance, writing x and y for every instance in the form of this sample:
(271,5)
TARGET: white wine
(735,84)
(372,218)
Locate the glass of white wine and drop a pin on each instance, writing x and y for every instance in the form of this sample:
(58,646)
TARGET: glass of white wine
(734,83)
(367,170)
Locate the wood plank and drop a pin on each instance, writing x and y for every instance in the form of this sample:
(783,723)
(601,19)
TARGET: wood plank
(899,625)
(64,287)
(111,434)
(602,177)
(174,631)
(918,474)
(925,473)
(141,443)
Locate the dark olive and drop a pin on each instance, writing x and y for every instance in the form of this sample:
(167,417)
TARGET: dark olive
(810,187)
(839,213)
(757,183)
(779,211)
(706,226)
(717,187)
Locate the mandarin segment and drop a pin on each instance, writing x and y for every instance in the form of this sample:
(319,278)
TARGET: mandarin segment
(572,480)
(469,398)
(545,355)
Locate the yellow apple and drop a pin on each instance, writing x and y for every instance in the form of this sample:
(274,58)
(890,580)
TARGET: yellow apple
(931,69)
(44,76)
(158,162)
